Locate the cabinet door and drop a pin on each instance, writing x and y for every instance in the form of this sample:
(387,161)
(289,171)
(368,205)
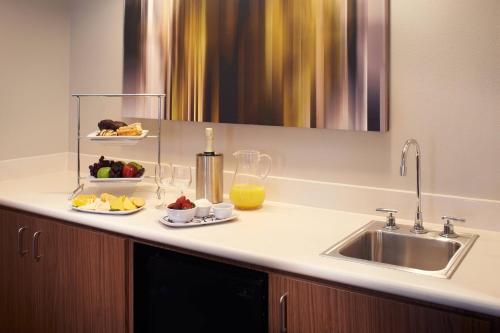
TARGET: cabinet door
(297,306)
(16,281)
(315,308)
(81,284)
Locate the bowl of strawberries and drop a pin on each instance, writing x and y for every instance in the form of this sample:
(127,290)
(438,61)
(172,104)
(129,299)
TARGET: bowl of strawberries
(181,211)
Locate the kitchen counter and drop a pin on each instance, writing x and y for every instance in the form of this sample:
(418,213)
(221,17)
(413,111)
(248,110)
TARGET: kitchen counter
(280,236)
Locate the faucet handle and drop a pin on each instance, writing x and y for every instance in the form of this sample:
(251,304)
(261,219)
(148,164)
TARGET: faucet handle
(387,210)
(391,219)
(448,230)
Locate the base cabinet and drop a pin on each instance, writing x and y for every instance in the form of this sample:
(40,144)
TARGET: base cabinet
(16,276)
(69,279)
(298,306)
(56,277)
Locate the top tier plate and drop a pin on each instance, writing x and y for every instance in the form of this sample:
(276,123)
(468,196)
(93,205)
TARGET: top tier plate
(93,136)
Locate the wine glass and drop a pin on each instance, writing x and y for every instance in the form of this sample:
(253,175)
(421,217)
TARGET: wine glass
(181,177)
(163,178)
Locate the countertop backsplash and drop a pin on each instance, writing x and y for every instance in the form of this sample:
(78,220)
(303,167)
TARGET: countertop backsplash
(480,213)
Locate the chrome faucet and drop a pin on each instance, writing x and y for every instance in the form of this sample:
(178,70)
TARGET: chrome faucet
(418,227)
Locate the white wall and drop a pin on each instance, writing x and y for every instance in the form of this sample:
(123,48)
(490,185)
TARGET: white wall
(445,92)
(34,77)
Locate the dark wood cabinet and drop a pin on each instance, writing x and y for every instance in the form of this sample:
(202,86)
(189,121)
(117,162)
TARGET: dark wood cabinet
(75,279)
(309,307)
(16,280)
(71,279)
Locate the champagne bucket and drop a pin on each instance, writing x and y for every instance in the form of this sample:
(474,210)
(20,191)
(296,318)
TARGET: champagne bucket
(209,177)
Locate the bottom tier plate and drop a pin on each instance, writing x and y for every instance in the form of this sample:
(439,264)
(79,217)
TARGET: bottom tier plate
(110,212)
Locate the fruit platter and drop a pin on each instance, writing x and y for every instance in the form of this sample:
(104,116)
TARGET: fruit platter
(107,204)
(110,130)
(116,171)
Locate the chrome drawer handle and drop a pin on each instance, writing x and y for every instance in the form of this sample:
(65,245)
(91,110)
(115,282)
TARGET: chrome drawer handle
(283,312)
(36,250)
(20,233)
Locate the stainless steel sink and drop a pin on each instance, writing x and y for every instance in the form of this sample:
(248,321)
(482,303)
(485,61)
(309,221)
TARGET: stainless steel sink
(428,254)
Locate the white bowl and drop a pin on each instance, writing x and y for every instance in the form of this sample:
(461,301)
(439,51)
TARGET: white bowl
(202,211)
(202,207)
(223,210)
(181,215)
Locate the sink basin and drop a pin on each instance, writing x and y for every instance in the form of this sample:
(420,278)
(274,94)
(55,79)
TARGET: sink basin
(428,254)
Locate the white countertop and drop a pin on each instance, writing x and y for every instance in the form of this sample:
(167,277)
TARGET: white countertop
(280,236)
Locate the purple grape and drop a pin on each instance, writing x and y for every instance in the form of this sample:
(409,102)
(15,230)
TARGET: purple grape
(93,169)
(140,172)
(116,170)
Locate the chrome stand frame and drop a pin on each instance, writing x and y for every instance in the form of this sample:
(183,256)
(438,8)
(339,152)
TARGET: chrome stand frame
(160,97)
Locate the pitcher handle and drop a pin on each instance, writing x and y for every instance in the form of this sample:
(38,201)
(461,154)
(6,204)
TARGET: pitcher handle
(269,164)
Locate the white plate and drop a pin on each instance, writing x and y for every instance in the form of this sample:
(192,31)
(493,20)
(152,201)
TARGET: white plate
(94,136)
(196,222)
(111,212)
(115,180)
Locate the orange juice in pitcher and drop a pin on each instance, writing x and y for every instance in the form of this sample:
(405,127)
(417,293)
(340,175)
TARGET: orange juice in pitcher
(247,190)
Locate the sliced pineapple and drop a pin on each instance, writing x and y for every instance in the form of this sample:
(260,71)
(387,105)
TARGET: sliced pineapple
(107,202)
(83,199)
(138,202)
(128,205)
(116,204)
(106,197)
(91,205)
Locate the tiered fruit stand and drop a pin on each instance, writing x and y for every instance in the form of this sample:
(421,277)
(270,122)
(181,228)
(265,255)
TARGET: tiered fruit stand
(160,98)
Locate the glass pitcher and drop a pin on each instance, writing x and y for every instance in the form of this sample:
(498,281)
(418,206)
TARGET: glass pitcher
(252,169)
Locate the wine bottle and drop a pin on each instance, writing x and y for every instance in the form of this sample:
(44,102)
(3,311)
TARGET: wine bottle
(209,147)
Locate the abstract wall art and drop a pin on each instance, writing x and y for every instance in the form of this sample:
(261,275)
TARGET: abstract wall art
(296,63)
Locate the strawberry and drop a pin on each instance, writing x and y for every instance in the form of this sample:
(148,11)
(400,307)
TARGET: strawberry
(187,204)
(181,203)
(174,206)
(181,200)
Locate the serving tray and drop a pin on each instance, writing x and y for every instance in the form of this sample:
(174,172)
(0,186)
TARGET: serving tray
(111,212)
(197,221)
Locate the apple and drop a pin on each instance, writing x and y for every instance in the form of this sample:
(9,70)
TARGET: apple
(129,171)
(103,172)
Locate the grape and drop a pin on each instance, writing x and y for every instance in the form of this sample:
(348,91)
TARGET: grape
(93,169)
(116,170)
(140,172)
